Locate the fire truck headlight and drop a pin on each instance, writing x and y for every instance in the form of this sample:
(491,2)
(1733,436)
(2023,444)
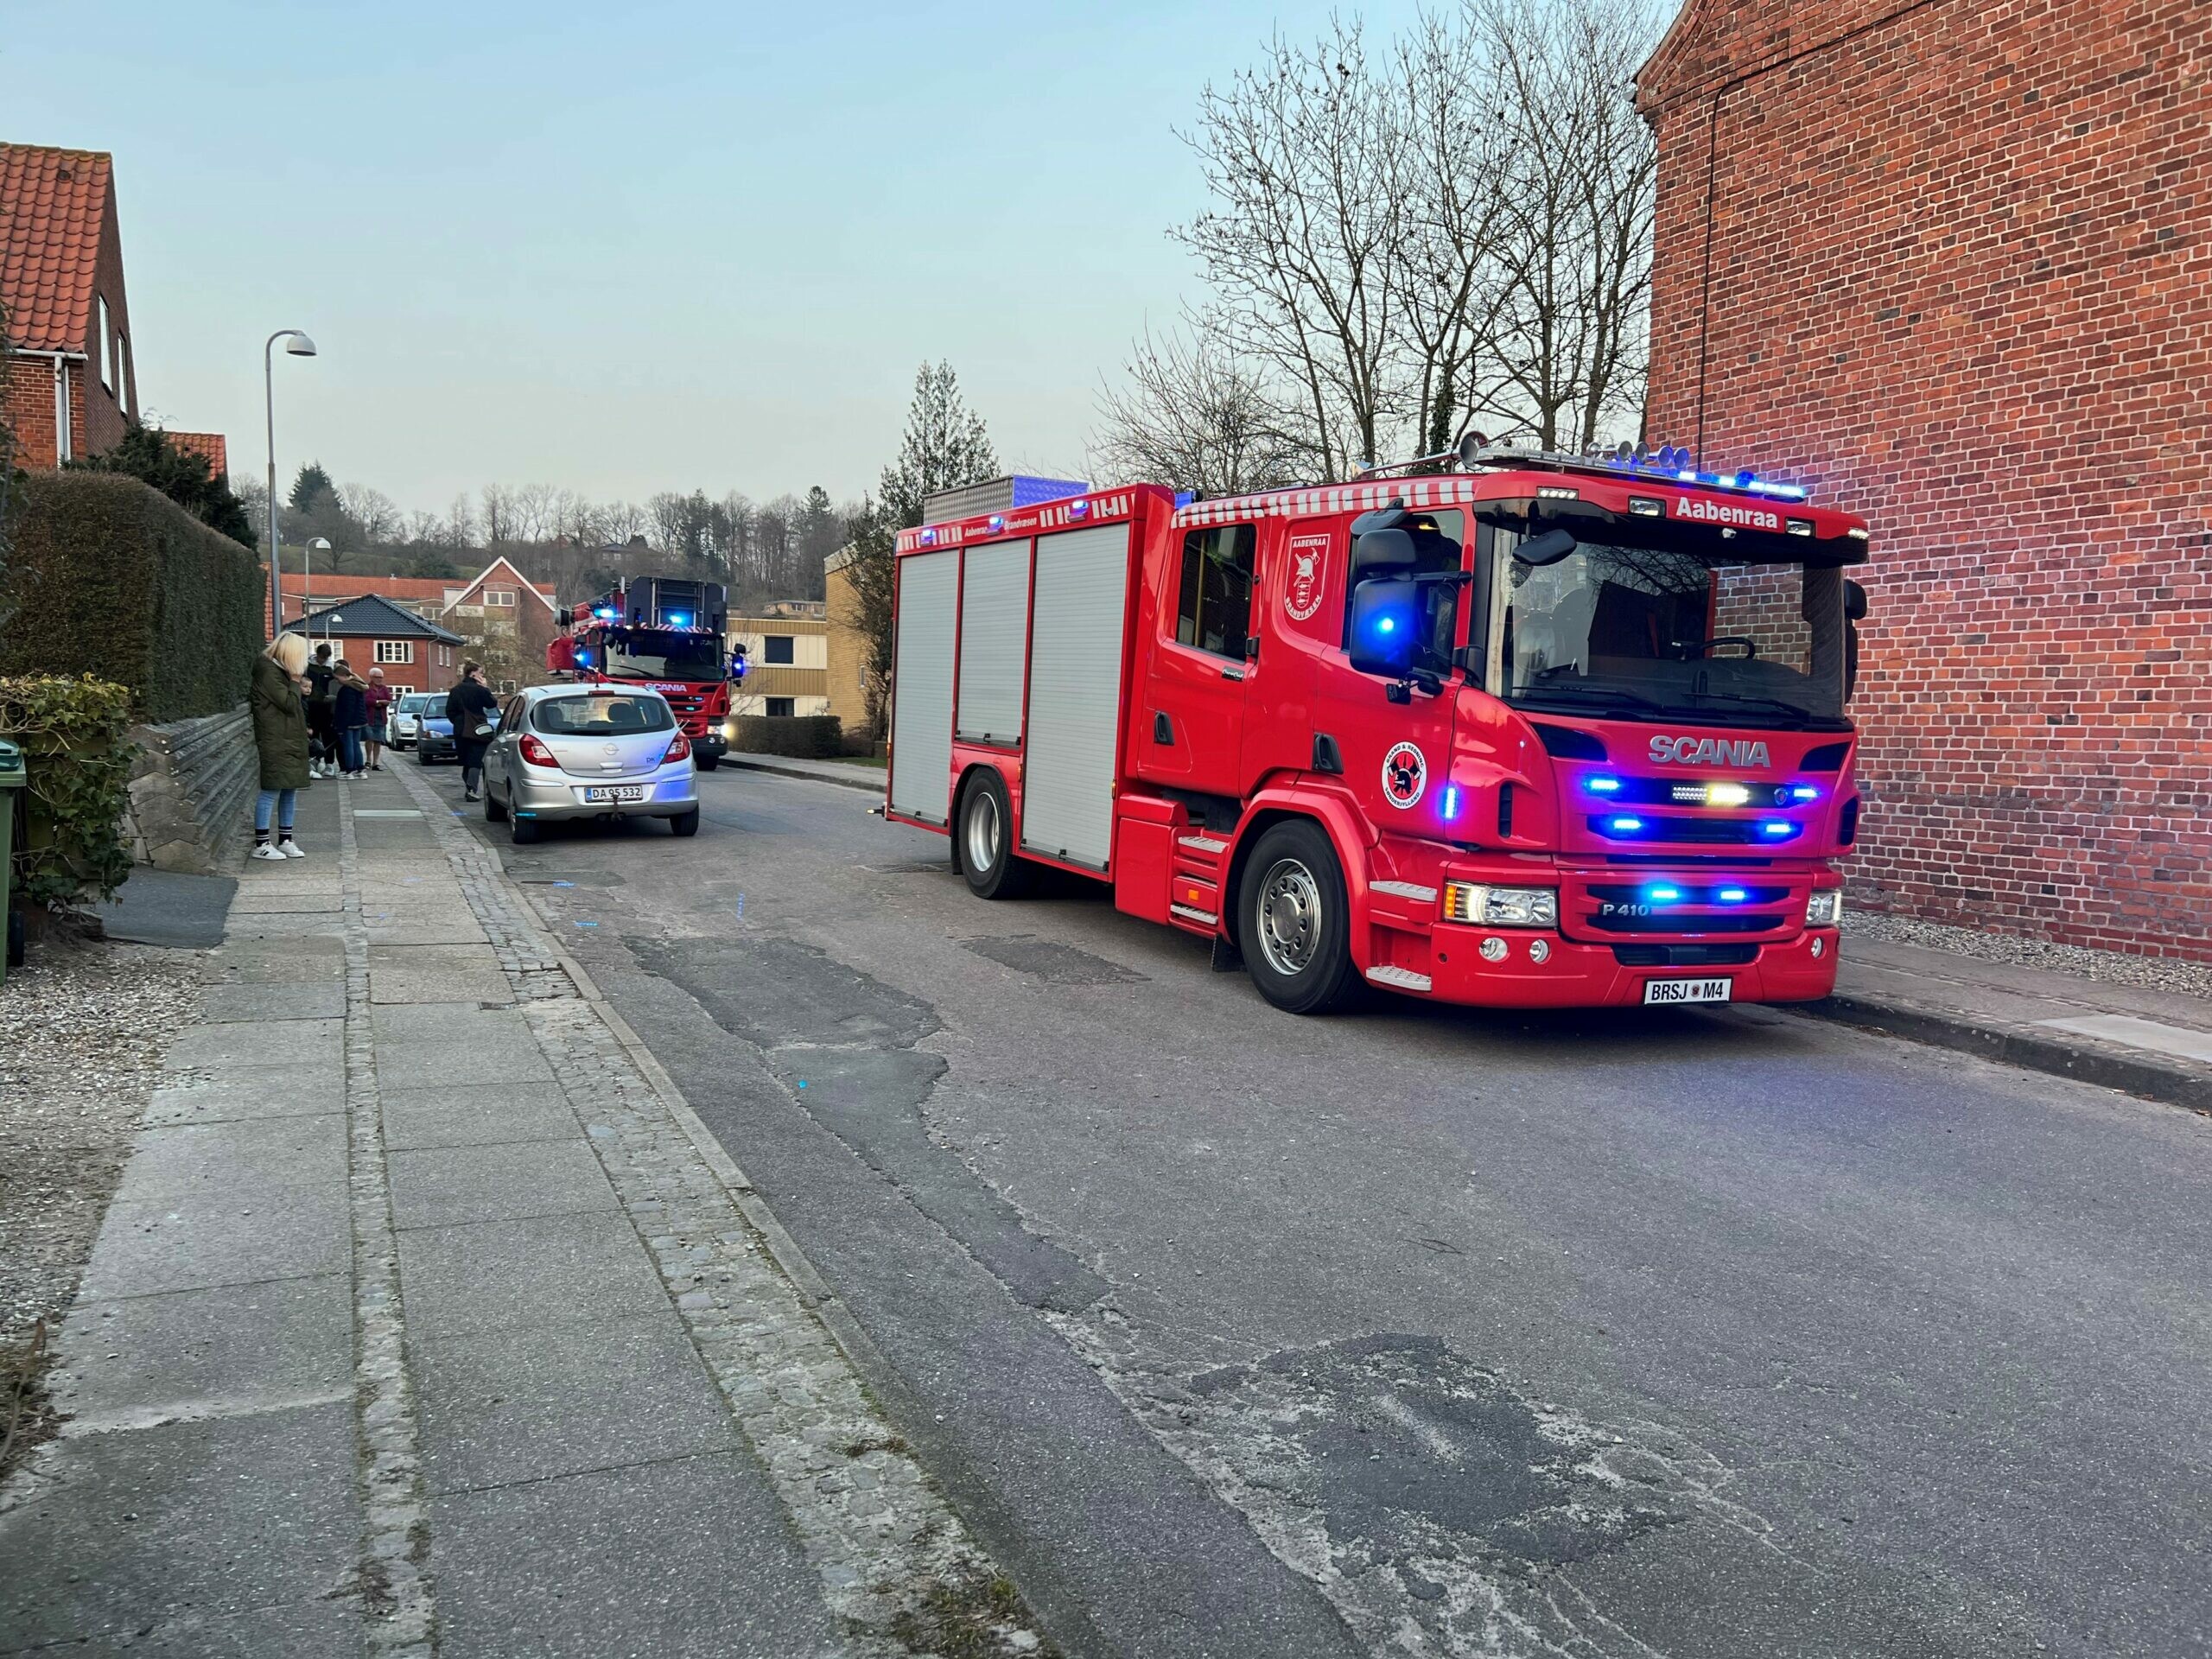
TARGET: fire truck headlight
(729,731)
(1824,908)
(1487,907)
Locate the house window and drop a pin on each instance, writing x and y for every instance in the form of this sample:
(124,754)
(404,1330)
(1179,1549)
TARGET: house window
(107,349)
(776,648)
(780,707)
(395,651)
(1214,611)
(498,596)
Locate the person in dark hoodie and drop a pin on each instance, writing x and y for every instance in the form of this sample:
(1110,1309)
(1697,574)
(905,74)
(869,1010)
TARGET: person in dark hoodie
(320,699)
(280,741)
(350,716)
(474,711)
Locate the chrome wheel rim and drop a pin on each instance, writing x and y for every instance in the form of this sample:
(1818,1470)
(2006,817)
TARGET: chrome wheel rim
(982,831)
(1289,919)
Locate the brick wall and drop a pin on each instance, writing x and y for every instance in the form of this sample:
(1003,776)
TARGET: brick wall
(104,415)
(1949,264)
(30,407)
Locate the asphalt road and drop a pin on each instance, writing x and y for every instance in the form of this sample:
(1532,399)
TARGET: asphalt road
(1425,1331)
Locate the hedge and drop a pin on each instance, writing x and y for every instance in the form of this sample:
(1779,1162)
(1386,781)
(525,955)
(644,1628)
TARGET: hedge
(77,782)
(812,737)
(110,578)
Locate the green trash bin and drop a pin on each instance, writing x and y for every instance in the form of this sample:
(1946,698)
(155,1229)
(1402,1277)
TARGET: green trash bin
(11,791)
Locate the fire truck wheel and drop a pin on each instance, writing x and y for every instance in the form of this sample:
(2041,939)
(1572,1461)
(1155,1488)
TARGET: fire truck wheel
(709,762)
(1293,920)
(983,843)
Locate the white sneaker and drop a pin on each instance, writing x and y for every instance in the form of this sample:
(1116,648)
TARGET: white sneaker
(268,850)
(291,849)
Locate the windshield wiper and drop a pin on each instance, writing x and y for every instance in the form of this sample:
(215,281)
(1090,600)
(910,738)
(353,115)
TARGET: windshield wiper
(1803,718)
(1588,694)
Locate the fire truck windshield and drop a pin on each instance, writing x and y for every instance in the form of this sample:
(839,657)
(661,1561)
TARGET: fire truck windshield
(1663,633)
(663,654)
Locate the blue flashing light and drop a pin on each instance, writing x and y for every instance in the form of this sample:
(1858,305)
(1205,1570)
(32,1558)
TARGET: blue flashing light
(1804,791)
(1602,785)
(677,620)
(584,660)
(605,613)
(1685,478)
(1387,624)
(928,537)
(1624,826)
(1665,896)
(1777,828)
(998,521)
(1079,510)
(1450,801)
(1732,895)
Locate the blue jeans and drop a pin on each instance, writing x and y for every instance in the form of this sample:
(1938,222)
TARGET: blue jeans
(349,743)
(282,801)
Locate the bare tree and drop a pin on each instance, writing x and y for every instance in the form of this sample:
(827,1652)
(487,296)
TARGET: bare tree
(1191,415)
(376,513)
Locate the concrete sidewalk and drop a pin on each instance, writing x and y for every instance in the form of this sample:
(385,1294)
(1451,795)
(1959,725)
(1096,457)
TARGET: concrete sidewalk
(427,1319)
(849,774)
(2157,1044)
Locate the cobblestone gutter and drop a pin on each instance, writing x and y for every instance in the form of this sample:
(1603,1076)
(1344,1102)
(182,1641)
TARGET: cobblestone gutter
(897,1566)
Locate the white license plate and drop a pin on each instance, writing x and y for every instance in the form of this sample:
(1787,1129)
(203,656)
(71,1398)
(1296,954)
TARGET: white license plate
(1687,990)
(615,793)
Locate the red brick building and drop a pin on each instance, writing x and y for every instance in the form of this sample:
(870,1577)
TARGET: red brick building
(1951,264)
(72,379)
(370,632)
(427,596)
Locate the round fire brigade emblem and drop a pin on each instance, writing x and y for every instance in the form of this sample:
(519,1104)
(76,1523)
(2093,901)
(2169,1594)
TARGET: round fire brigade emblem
(1301,595)
(1405,775)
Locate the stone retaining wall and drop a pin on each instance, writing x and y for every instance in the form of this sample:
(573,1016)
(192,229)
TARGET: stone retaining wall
(192,788)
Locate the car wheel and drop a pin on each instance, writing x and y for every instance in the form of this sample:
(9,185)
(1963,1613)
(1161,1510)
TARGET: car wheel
(1293,920)
(685,824)
(983,841)
(524,831)
(495,810)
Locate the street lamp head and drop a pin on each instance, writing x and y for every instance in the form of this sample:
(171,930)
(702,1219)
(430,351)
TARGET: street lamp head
(298,345)
(320,544)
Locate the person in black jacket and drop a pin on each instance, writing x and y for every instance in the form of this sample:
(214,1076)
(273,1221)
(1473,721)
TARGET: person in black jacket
(321,707)
(350,717)
(474,711)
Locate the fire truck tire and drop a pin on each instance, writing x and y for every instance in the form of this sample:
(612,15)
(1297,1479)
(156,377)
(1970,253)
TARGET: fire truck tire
(709,762)
(1294,921)
(983,841)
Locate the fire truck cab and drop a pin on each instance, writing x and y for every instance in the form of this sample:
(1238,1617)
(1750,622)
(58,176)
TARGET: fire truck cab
(664,633)
(1547,731)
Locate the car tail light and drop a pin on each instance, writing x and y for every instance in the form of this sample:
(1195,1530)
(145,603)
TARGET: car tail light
(679,750)
(536,753)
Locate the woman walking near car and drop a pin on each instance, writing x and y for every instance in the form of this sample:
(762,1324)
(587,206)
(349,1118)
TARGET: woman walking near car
(379,716)
(474,711)
(351,717)
(280,739)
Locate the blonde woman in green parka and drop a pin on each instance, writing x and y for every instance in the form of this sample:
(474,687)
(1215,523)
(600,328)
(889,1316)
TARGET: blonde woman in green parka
(280,733)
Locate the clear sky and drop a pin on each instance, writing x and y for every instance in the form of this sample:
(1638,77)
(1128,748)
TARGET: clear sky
(628,249)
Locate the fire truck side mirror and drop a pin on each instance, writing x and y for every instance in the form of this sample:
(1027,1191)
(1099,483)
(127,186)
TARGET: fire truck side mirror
(1855,602)
(1385,618)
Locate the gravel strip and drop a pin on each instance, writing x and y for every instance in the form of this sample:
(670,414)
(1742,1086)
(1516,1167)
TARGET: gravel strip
(2107,966)
(85,1028)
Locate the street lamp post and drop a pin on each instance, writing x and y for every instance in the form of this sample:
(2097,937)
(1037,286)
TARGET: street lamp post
(296,343)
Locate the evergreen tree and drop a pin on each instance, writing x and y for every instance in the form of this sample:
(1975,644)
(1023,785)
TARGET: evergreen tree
(312,488)
(945,446)
(146,454)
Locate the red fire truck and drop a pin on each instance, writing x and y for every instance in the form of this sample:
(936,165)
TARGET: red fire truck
(1542,731)
(664,633)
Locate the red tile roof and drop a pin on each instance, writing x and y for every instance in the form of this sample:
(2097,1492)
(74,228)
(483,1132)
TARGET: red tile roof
(210,444)
(52,205)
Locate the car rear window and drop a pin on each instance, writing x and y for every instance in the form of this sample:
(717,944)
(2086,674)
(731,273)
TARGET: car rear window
(415,705)
(602,715)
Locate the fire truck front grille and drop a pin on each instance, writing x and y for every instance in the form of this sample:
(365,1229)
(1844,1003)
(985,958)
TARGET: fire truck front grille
(1684,956)
(1674,922)
(1685,892)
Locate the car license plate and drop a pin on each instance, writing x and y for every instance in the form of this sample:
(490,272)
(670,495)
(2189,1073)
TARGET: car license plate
(618,792)
(1687,990)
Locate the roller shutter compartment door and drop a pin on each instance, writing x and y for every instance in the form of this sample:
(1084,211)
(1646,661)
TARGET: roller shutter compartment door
(1074,695)
(921,686)
(993,640)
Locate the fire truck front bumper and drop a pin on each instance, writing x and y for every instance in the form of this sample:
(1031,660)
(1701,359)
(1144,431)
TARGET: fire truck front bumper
(1532,969)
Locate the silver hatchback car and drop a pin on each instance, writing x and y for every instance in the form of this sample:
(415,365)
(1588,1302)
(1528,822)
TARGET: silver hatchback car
(588,752)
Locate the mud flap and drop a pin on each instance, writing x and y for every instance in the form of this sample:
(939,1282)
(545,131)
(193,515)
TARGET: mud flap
(1227,958)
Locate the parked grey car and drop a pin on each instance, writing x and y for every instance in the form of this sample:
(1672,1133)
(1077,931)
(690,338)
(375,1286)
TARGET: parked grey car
(588,752)
(406,718)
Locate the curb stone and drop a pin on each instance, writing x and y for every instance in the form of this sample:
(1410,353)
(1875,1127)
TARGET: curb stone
(867,785)
(2055,1054)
